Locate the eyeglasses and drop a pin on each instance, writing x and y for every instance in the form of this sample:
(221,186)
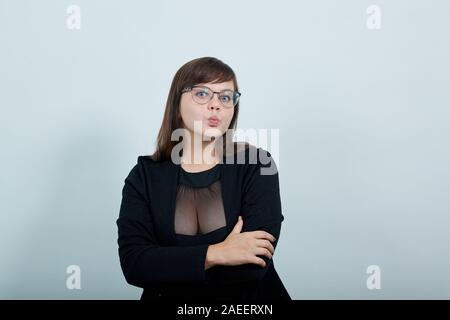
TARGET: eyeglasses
(202,95)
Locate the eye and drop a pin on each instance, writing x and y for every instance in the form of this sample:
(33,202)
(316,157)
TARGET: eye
(201,94)
(226,98)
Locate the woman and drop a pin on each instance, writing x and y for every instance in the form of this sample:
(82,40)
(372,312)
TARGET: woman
(199,219)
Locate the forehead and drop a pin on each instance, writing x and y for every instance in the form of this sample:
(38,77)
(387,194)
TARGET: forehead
(227,85)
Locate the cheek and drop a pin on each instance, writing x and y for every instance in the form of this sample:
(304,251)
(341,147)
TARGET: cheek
(189,113)
(227,119)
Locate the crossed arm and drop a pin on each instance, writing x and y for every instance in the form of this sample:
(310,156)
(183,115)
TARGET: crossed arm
(145,262)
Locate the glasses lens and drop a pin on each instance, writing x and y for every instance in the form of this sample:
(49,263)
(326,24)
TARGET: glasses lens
(227,98)
(201,95)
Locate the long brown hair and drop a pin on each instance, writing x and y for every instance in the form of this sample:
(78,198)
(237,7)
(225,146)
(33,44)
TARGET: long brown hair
(200,70)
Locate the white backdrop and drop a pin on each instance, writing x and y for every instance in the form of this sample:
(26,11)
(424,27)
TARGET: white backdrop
(360,95)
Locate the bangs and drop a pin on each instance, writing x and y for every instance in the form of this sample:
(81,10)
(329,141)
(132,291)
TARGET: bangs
(211,70)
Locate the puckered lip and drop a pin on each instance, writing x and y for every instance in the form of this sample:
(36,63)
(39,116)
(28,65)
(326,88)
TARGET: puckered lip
(214,118)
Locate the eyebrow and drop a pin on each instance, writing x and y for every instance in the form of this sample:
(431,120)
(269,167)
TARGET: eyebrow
(202,85)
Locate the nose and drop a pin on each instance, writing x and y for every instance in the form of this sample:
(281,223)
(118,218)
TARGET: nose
(214,103)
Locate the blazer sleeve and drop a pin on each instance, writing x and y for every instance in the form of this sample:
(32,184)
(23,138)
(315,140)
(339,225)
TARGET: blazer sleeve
(143,261)
(260,210)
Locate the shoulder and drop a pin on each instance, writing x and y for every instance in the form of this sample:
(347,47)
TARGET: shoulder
(260,174)
(145,173)
(145,166)
(147,161)
(142,163)
(255,158)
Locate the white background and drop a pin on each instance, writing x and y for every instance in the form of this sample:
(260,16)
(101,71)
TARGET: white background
(364,135)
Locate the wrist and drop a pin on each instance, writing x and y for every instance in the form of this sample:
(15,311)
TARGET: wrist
(212,256)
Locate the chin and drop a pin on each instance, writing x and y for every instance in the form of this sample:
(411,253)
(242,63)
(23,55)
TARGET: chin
(210,137)
(212,132)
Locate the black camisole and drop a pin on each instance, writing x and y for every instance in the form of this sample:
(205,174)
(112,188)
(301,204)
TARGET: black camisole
(199,211)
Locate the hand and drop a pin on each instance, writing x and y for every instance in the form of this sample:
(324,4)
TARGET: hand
(241,248)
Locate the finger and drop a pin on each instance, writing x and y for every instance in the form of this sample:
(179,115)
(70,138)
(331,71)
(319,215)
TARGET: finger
(258,261)
(265,244)
(238,226)
(263,252)
(264,235)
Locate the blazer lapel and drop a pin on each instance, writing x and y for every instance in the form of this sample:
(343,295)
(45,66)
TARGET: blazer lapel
(164,178)
(230,189)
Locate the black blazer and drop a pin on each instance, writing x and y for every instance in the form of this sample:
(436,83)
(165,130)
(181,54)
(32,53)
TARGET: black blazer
(146,235)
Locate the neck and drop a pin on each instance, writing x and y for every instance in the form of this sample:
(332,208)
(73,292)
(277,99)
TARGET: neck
(197,151)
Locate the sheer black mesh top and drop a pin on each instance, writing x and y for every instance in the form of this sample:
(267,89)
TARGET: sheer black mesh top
(199,211)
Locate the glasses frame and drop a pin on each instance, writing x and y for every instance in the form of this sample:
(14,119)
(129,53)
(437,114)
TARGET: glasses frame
(189,89)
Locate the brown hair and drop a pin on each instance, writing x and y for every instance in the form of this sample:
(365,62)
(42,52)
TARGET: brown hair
(200,70)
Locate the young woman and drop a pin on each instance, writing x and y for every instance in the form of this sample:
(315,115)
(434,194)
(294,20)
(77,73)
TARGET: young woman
(200,219)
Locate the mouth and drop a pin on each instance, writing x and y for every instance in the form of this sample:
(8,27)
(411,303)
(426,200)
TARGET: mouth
(213,121)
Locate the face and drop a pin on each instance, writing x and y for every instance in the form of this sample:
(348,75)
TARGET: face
(200,114)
